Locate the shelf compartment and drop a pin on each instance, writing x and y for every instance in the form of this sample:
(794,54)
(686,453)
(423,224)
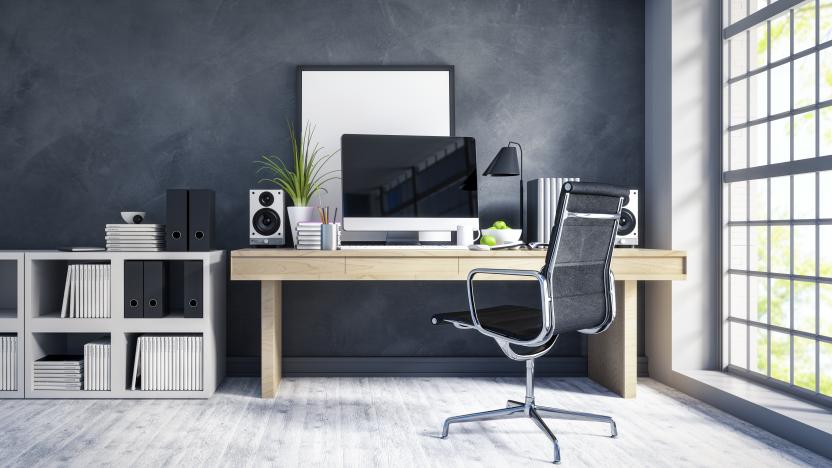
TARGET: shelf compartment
(182,285)
(61,343)
(8,289)
(47,284)
(167,366)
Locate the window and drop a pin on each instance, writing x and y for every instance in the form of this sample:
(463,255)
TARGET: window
(777,193)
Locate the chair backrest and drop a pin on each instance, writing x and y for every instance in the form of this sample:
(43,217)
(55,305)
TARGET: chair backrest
(580,251)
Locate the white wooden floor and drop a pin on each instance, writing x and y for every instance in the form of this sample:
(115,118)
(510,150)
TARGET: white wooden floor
(366,422)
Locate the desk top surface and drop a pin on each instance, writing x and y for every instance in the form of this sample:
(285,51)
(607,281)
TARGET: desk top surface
(289,252)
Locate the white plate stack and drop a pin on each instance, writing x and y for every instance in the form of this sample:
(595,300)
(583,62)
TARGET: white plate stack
(59,372)
(135,237)
(97,365)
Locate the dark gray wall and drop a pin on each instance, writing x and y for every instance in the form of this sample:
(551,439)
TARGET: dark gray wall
(104,105)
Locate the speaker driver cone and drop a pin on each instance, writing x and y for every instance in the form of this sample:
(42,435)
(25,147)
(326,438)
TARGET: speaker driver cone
(627,222)
(266,222)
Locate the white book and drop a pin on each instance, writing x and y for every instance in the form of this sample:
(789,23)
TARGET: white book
(199,363)
(65,303)
(543,230)
(4,362)
(144,370)
(99,293)
(188,365)
(168,363)
(71,291)
(107,284)
(99,366)
(546,202)
(151,361)
(83,269)
(87,352)
(177,369)
(107,363)
(136,360)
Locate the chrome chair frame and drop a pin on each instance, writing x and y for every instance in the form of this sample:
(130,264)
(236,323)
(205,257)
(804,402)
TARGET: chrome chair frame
(546,338)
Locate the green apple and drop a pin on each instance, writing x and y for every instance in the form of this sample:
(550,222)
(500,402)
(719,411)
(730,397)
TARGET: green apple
(488,240)
(500,225)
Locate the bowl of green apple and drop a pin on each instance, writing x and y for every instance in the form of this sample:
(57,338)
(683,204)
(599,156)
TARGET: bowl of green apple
(500,233)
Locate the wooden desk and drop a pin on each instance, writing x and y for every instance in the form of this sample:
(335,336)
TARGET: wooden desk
(611,355)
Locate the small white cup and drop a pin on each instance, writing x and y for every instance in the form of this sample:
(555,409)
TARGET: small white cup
(465,236)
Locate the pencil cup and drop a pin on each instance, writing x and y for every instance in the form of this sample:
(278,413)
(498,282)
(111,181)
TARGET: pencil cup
(329,236)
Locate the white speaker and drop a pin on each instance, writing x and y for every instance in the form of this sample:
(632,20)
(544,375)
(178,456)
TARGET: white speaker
(266,222)
(628,224)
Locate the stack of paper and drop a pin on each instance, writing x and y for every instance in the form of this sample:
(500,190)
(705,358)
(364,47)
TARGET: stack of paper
(309,236)
(8,363)
(97,365)
(168,363)
(542,201)
(135,237)
(59,372)
(87,291)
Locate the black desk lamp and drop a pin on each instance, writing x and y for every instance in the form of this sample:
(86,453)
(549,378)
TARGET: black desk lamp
(507,164)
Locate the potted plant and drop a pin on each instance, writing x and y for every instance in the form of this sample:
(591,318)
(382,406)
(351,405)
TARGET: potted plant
(304,180)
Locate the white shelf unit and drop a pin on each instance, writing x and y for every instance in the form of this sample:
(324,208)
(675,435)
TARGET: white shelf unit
(11,310)
(47,333)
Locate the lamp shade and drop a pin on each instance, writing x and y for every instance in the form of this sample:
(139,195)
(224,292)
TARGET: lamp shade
(504,164)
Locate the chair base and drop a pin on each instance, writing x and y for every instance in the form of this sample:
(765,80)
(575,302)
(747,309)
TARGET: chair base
(515,409)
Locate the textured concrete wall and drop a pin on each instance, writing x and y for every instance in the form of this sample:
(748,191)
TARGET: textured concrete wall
(104,105)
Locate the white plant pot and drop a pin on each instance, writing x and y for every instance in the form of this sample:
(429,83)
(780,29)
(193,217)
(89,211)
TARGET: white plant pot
(301,214)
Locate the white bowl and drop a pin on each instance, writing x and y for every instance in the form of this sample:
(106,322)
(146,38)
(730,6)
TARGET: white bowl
(133,217)
(503,236)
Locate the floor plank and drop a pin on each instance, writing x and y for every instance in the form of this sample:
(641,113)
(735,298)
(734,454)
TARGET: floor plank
(389,422)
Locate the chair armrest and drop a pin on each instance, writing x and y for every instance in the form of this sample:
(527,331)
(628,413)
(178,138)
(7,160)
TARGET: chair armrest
(545,303)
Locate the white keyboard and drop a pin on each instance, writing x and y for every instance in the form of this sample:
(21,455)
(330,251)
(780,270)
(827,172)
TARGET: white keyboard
(404,247)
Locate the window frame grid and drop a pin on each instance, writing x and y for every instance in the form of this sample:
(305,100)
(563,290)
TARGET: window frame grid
(788,168)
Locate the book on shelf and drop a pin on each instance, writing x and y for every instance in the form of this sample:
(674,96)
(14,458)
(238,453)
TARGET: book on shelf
(87,291)
(97,365)
(168,362)
(8,363)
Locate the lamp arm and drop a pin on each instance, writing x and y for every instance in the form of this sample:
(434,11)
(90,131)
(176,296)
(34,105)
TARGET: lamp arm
(522,193)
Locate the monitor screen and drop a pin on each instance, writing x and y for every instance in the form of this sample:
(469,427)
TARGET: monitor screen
(401,176)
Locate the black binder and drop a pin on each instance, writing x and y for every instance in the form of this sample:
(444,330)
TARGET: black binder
(193,289)
(155,289)
(133,289)
(200,220)
(176,227)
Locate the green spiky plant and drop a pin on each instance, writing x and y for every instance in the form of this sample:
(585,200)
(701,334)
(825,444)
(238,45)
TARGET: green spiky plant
(306,178)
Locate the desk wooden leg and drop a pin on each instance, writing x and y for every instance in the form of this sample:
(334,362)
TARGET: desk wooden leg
(271,315)
(612,354)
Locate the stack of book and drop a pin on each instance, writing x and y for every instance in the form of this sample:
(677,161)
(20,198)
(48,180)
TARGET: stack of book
(87,291)
(59,372)
(135,237)
(309,236)
(542,206)
(8,363)
(168,363)
(97,365)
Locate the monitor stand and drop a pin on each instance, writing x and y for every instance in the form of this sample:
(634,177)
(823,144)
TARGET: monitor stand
(418,238)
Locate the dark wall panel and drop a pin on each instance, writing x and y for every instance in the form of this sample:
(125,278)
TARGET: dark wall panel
(104,105)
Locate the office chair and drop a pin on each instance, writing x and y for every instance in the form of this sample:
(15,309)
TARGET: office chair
(577,293)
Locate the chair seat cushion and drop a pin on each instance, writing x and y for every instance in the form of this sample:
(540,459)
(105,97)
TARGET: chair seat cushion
(518,322)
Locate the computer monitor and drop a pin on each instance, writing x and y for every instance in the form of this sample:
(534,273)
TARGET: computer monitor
(404,183)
